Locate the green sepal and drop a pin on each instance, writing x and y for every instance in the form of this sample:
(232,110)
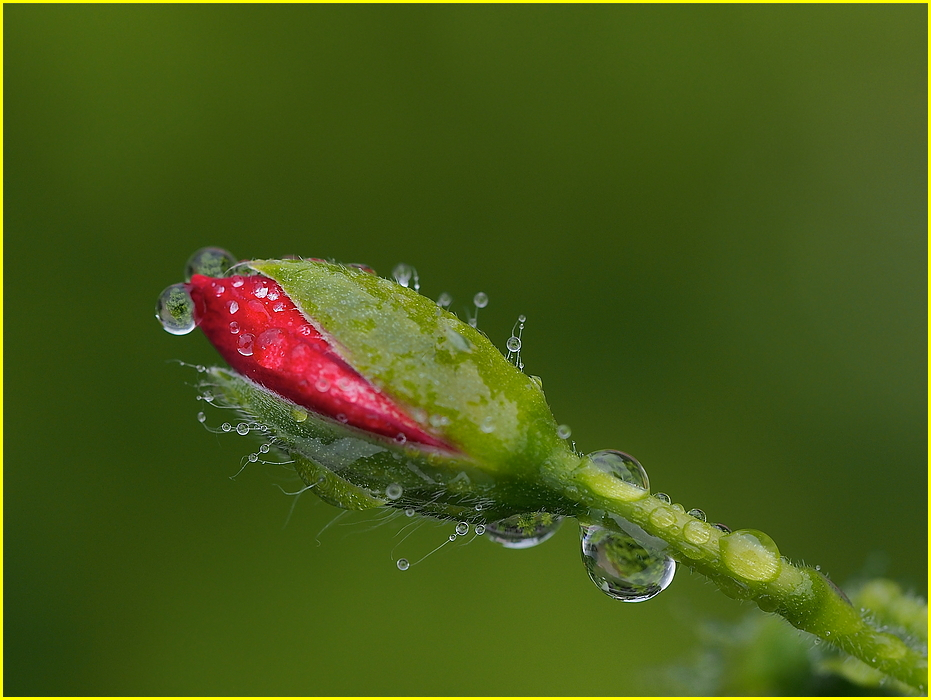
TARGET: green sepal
(353,469)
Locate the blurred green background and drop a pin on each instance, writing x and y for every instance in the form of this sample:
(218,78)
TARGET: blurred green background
(714,218)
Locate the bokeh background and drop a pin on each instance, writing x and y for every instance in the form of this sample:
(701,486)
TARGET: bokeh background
(714,218)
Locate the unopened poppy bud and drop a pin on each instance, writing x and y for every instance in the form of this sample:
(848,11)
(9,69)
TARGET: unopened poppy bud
(379,393)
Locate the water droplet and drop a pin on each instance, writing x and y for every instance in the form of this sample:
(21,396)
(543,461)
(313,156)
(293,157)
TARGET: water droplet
(662,497)
(563,432)
(402,274)
(259,289)
(698,514)
(264,449)
(237,283)
(537,380)
(452,538)
(233,307)
(751,554)
(479,530)
(522,318)
(242,429)
(663,517)
(480,300)
(513,343)
(678,507)
(697,532)
(622,567)
(400,438)
(201,417)
(473,322)
(522,531)
(175,310)
(622,466)
(210,262)
(226,427)
(299,415)
(245,344)
(444,300)
(462,528)
(722,527)
(253,457)
(393,492)
(404,564)
(488,425)
(234,327)
(478,506)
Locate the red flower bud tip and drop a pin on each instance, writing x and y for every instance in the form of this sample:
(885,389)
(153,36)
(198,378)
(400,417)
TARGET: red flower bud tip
(262,335)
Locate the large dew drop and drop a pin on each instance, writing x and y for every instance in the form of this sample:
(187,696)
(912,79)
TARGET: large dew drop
(175,310)
(621,466)
(523,531)
(623,568)
(210,262)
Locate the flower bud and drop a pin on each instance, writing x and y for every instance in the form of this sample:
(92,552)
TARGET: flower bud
(378,393)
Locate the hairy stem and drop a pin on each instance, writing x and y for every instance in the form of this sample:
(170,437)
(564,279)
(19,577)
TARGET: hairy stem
(746,564)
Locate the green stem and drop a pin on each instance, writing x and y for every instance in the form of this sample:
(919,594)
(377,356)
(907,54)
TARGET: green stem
(746,564)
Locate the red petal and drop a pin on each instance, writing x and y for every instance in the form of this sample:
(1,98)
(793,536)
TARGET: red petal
(264,336)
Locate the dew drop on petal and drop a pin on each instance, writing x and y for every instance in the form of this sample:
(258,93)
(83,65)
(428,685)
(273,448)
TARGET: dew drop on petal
(622,567)
(462,528)
(245,344)
(404,564)
(662,497)
(175,310)
(242,429)
(393,491)
(522,531)
(480,530)
(226,427)
(563,432)
(409,512)
(698,514)
(234,327)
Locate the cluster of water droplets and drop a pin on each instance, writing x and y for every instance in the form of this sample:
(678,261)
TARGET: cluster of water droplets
(630,566)
(515,343)
(175,308)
